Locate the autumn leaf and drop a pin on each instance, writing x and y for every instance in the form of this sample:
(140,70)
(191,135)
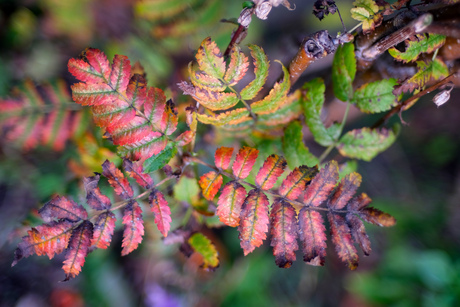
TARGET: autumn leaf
(94,198)
(296,181)
(422,43)
(322,185)
(366,11)
(210,184)
(210,59)
(135,170)
(159,207)
(244,162)
(134,227)
(358,232)
(237,66)
(341,237)
(312,234)
(222,157)
(268,174)
(103,230)
(345,190)
(284,232)
(261,65)
(62,208)
(230,202)
(117,180)
(202,245)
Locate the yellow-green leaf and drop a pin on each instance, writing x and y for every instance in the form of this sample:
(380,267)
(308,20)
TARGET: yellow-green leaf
(205,248)
(376,96)
(261,65)
(416,46)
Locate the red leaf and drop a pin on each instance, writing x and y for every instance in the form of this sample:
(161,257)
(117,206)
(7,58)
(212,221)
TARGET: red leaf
(341,237)
(47,239)
(134,131)
(295,182)
(223,157)
(358,232)
(77,250)
(322,185)
(94,198)
(312,237)
(244,162)
(103,230)
(134,227)
(93,94)
(121,71)
(185,138)
(345,190)
(151,145)
(359,202)
(117,180)
(254,221)
(136,91)
(229,205)
(155,105)
(169,119)
(93,68)
(210,184)
(160,208)
(118,112)
(136,171)
(62,208)
(284,232)
(377,217)
(268,174)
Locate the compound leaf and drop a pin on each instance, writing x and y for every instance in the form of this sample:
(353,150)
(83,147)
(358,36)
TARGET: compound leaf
(93,67)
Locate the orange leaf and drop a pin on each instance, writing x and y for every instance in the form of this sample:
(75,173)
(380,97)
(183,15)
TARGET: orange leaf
(312,237)
(62,208)
(295,182)
(159,206)
(210,184)
(77,250)
(322,185)
(103,230)
(284,232)
(230,201)
(341,237)
(223,157)
(268,174)
(134,227)
(117,180)
(244,162)
(254,221)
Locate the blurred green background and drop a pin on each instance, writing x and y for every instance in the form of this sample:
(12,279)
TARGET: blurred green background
(415,263)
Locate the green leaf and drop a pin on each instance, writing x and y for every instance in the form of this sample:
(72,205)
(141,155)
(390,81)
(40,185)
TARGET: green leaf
(365,143)
(376,96)
(205,248)
(415,47)
(210,59)
(312,103)
(187,190)
(161,159)
(294,149)
(366,12)
(275,98)
(344,71)
(261,65)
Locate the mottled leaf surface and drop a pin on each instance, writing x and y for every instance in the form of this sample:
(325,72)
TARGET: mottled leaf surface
(210,184)
(60,207)
(117,180)
(244,162)
(272,168)
(77,250)
(230,202)
(312,233)
(343,242)
(295,183)
(376,96)
(103,230)
(133,227)
(159,207)
(322,185)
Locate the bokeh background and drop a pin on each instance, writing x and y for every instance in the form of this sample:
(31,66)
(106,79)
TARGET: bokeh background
(417,180)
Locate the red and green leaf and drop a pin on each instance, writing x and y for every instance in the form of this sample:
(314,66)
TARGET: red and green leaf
(254,221)
(210,184)
(136,171)
(284,233)
(416,45)
(322,185)
(237,67)
(223,157)
(312,233)
(295,183)
(62,208)
(117,180)
(268,174)
(202,245)
(92,67)
(210,59)
(261,65)
(134,227)
(77,250)
(244,162)
(159,207)
(230,202)
(341,237)
(94,198)
(121,70)
(103,230)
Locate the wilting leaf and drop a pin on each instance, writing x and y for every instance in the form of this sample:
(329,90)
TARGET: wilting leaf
(210,59)
(294,149)
(77,250)
(416,45)
(377,217)
(62,208)
(161,159)
(244,162)
(365,143)
(94,198)
(254,221)
(134,227)
(274,99)
(296,181)
(237,67)
(312,103)
(324,7)
(230,202)
(117,180)
(268,174)
(284,232)
(366,11)
(341,237)
(202,245)
(358,232)
(210,184)
(47,239)
(169,120)
(159,206)
(261,65)
(322,185)
(344,71)
(312,233)
(103,230)
(223,157)
(135,170)
(345,190)
(376,96)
